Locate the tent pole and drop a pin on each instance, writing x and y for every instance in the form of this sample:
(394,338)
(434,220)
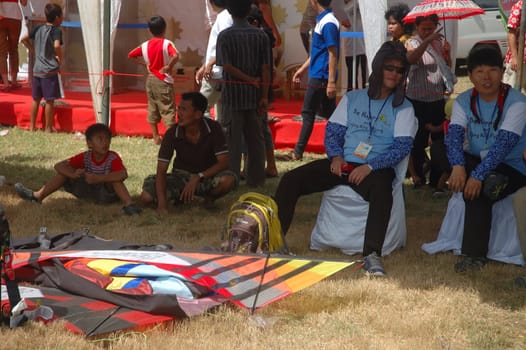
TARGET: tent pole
(519,83)
(106,33)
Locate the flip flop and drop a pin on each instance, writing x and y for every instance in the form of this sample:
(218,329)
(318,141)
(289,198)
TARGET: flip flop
(288,157)
(273,119)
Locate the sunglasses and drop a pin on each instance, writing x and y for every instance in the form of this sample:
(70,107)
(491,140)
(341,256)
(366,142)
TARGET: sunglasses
(393,68)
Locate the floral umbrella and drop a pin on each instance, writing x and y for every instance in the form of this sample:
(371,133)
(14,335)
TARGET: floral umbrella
(445,9)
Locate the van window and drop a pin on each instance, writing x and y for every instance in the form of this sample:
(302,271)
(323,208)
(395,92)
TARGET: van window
(487,4)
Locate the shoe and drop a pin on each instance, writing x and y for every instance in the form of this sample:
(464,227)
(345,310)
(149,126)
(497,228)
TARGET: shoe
(288,157)
(273,119)
(373,265)
(470,263)
(131,210)
(520,282)
(25,193)
(439,192)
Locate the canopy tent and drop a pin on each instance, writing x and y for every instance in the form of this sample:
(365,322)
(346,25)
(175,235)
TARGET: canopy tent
(188,24)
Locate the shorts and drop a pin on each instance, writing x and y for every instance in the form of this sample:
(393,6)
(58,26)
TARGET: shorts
(47,88)
(161,101)
(99,193)
(176,181)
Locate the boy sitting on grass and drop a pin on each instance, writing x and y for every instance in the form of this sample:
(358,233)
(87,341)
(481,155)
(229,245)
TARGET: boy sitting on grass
(97,174)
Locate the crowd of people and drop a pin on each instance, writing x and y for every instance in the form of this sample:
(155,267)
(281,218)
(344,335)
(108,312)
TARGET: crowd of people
(480,151)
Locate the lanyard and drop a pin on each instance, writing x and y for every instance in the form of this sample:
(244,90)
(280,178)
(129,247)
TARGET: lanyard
(486,129)
(372,122)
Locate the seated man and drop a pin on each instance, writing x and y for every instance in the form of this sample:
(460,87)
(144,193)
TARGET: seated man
(491,116)
(201,162)
(97,174)
(370,132)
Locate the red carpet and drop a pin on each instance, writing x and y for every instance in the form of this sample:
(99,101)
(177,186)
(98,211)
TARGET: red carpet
(128,116)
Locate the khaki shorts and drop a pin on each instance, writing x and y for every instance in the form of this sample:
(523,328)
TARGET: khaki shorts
(161,101)
(176,181)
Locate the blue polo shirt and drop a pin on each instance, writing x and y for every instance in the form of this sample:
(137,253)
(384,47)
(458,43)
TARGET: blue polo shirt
(326,34)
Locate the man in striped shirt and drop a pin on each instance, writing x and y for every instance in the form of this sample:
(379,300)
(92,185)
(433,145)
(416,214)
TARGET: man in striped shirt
(244,53)
(97,174)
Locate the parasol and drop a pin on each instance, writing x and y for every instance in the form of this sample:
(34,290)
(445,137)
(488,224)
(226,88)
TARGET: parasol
(445,9)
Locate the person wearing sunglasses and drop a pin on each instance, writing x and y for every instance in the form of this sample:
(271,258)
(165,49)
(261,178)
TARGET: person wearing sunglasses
(368,134)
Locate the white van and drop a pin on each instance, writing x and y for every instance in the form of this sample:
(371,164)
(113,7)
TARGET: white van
(488,28)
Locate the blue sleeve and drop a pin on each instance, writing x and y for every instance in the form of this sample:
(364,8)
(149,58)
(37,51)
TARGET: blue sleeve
(334,139)
(331,35)
(503,145)
(455,144)
(399,150)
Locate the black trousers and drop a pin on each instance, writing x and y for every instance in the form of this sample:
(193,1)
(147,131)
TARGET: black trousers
(478,213)
(426,112)
(377,189)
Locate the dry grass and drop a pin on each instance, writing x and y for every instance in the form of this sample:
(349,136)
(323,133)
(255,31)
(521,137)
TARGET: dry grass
(422,304)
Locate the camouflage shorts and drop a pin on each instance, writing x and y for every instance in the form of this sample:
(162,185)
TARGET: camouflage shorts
(176,181)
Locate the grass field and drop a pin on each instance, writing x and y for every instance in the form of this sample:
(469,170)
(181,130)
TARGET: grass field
(422,304)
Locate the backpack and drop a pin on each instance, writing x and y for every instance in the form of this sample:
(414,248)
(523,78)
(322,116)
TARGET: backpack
(253,226)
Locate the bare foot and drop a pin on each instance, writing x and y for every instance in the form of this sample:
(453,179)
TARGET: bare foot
(271,172)
(51,130)
(157,140)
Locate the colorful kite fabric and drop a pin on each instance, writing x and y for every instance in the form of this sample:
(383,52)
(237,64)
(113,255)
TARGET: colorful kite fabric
(100,286)
(251,281)
(91,317)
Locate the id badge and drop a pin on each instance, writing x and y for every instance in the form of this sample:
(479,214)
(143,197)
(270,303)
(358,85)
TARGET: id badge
(363,150)
(483,153)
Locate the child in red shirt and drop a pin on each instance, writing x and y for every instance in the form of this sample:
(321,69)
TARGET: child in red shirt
(160,56)
(97,174)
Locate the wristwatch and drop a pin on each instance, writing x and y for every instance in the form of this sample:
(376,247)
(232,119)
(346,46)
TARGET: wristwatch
(201,176)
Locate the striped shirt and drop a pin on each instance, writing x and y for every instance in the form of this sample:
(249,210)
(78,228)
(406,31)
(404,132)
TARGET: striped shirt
(425,82)
(247,48)
(85,160)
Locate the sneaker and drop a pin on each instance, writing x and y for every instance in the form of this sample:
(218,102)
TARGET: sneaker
(131,210)
(520,282)
(25,193)
(439,192)
(373,265)
(470,263)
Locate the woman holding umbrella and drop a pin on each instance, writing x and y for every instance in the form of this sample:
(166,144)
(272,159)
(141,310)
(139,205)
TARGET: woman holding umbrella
(427,89)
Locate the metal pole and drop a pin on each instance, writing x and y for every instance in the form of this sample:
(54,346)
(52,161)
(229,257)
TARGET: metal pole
(519,83)
(106,48)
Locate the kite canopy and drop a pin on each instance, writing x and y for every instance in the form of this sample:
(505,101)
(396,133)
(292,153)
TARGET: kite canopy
(100,291)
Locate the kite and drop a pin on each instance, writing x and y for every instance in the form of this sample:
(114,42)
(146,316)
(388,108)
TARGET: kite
(99,291)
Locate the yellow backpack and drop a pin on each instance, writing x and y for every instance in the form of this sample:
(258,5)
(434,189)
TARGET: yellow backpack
(253,226)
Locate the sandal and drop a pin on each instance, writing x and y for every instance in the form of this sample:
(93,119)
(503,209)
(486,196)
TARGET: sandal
(273,119)
(288,157)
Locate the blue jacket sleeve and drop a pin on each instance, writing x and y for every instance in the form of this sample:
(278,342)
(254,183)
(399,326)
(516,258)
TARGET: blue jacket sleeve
(398,151)
(334,139)
(455,144)
(504,143)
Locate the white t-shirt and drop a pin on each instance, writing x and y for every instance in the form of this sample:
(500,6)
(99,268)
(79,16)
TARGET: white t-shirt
(223,21)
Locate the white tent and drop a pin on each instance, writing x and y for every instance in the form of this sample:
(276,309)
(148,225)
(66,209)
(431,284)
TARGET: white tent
(188,24)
